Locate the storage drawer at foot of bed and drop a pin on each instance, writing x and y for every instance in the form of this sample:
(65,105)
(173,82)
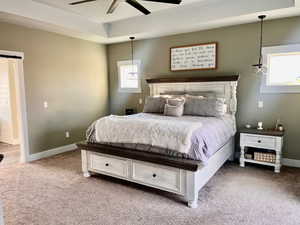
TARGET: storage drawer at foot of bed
(111,165)
(157,176)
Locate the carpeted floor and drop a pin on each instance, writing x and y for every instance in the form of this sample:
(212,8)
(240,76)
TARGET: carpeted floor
(11,153)
(53,191)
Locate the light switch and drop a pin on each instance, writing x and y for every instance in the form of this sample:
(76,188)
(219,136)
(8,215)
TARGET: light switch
(260,104)
(45,105)
(67,134)
(140,101)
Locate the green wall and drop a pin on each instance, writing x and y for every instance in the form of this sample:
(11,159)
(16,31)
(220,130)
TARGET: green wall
(69,73)
(238,50)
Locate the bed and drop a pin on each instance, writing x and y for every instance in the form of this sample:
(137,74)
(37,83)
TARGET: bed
(183,173)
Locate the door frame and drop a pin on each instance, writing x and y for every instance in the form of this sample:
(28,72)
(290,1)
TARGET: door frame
(21,101)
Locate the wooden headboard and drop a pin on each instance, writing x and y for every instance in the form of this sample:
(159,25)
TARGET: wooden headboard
(223,86)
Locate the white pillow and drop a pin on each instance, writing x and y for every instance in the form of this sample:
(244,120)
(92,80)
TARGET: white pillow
(174,107)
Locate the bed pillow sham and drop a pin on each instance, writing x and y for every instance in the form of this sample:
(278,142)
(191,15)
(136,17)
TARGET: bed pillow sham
(154,104)
(196,106)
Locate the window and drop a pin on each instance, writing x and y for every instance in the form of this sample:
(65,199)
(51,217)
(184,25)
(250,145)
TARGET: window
(283,69)
(129,76)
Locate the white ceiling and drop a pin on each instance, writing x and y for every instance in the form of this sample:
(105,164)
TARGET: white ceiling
(96,11)
(89,21)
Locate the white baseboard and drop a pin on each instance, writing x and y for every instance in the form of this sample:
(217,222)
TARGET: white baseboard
(15,141)
(52,152)
(291,162)
(71,147)
(11,141)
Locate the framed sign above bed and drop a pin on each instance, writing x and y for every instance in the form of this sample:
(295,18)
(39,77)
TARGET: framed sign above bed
(194,57)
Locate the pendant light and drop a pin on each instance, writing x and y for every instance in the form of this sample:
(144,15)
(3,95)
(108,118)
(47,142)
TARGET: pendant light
(132,73)
(259,65)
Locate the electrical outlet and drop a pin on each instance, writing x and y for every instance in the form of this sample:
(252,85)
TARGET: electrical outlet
(67,134)
(260,104)
(140,101)
(45,105)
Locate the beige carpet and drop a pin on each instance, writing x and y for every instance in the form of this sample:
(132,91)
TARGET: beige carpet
(53,191)
(11,154)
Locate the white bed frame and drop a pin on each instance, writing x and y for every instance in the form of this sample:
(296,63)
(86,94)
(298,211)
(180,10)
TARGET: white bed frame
(179,181)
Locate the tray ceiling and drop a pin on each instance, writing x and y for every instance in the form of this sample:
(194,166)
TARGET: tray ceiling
(96,11)
(89,21)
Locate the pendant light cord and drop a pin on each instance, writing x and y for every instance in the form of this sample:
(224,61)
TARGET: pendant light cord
(259,65)
(261,40)
(132,38)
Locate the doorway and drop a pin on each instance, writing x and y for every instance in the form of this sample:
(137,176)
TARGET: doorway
(13,119)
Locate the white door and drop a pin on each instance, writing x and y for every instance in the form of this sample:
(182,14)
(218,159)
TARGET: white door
(6,134)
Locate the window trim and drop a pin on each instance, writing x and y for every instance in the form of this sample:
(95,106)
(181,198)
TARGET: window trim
(277,89)
(129,62)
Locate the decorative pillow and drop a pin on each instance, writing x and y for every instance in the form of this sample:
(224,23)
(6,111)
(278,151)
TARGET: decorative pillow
(174,107)
(175,101)
(204,107)
(154,105)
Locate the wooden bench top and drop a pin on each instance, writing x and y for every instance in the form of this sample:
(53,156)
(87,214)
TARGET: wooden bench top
(186,164)
(268,132)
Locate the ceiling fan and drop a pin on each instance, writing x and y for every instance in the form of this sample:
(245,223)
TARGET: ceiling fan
(133,3)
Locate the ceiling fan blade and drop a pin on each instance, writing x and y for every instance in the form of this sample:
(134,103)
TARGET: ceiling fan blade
(81,2)
(165,1)
(138,6)
(113,6)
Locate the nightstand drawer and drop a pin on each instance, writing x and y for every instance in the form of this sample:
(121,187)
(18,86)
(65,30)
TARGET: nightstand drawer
(258,141)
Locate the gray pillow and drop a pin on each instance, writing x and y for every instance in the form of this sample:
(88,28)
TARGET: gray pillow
(154,105)
(174,107)
(204,106)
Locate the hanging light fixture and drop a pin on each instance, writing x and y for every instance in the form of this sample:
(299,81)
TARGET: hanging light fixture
(133,72)
(259,65)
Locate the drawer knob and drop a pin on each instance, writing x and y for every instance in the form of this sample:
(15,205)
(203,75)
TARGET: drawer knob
(106,164)
(259,141)
(154,175)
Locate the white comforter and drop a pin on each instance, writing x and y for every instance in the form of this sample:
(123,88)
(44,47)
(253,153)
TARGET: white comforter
(163,132)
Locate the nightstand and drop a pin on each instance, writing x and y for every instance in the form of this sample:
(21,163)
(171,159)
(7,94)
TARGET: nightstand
(130,111)
(261,139)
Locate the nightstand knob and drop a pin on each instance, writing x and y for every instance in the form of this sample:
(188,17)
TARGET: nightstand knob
(154,175)
(106,164)
(259,141)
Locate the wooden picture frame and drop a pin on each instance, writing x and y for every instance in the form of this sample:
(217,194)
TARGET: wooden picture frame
(189,61)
